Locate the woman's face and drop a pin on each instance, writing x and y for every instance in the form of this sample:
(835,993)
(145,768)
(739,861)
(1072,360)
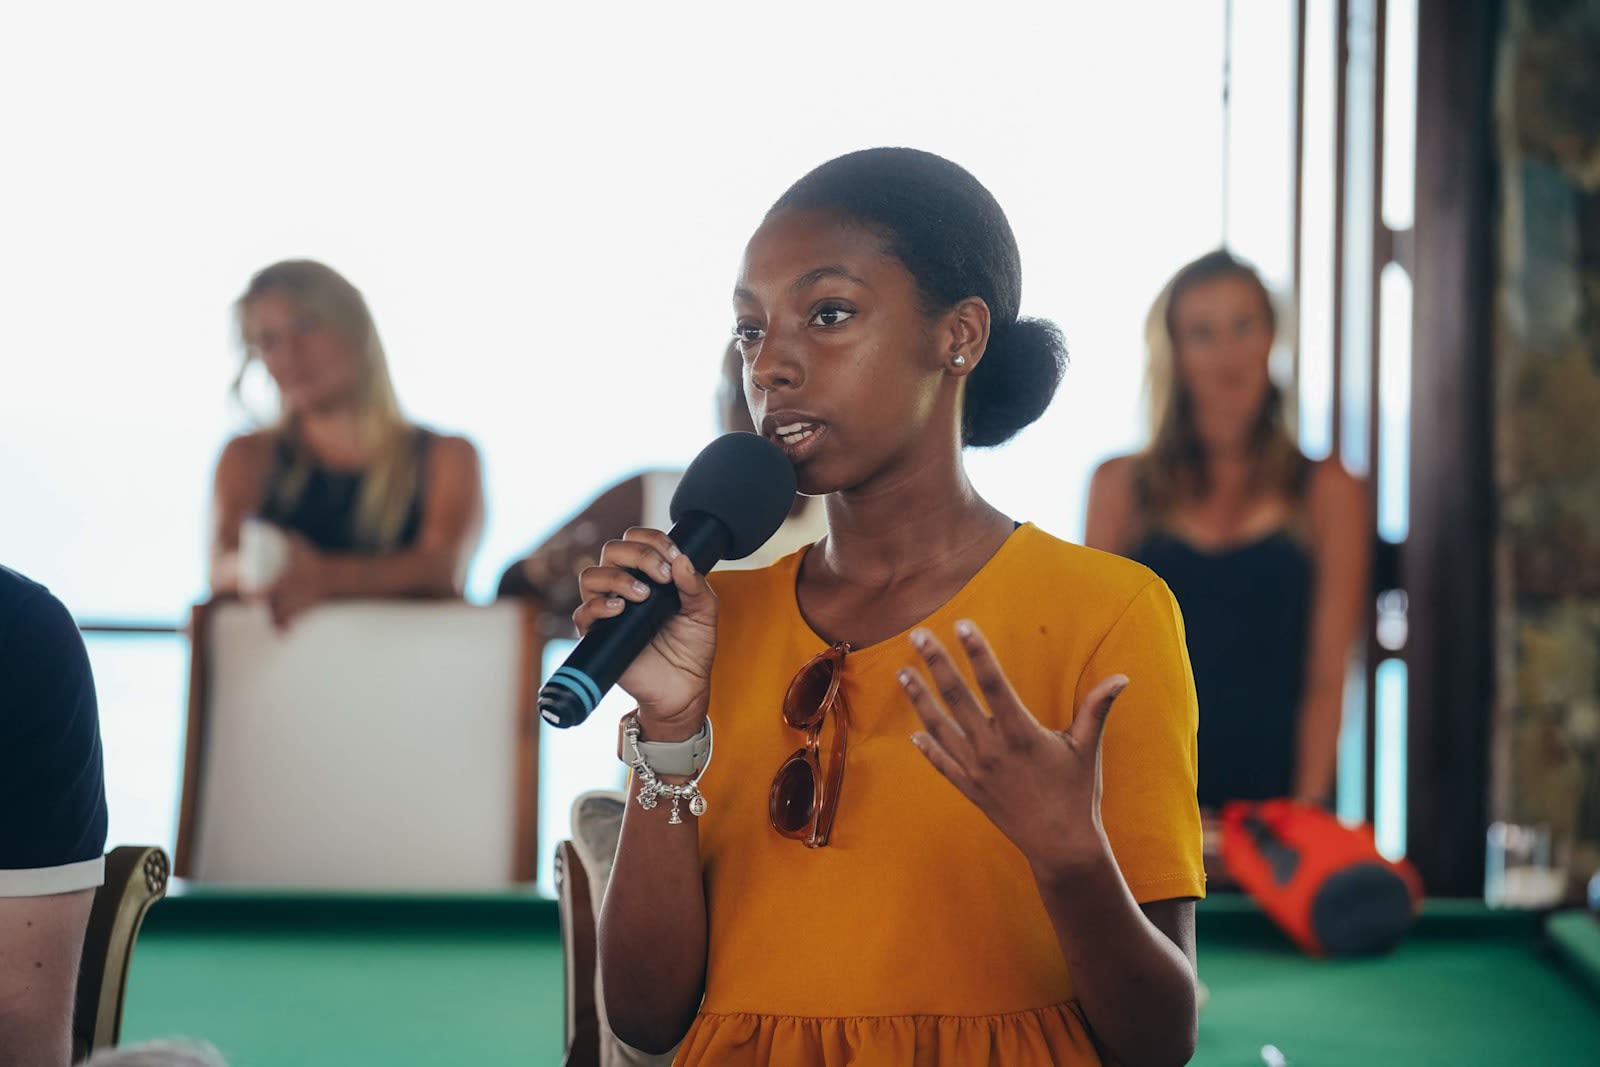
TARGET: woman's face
(315,367)
(1222,341)
(842,368)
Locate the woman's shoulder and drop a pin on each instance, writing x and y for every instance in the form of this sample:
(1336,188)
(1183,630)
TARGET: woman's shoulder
(756,583)
(248,456)
(1327,477)
(1114,482)
(1117,471)
(1089,581)
(447,458)
(451,447)
(1333,494)
(252,443)
(1114,505)
(1032,561)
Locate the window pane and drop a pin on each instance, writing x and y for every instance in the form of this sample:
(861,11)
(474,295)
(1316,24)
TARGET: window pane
(1400,114)
(1389,759)
(1360,133)
(1394,393)
(1315,299)
(1261,139)
(1351,788)
(142,684)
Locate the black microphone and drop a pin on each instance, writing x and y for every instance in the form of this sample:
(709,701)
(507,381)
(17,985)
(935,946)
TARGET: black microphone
(732,499)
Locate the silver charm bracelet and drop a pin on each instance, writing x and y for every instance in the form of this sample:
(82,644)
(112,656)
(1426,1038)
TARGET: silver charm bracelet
(653,789)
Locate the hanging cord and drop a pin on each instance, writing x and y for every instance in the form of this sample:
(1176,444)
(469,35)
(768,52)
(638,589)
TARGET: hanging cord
(1227,113)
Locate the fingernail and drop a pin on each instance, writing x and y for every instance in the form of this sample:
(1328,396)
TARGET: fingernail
(920,741)
(1116,690)
(665,569)
(641,588)
(920,638)
(672,551)
(905,678)
(613,602)
(965,628)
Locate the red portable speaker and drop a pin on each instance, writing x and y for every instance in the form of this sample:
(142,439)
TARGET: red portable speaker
(1323,883)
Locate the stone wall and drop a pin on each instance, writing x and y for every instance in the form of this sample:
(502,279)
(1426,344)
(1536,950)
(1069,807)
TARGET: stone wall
(1546,755)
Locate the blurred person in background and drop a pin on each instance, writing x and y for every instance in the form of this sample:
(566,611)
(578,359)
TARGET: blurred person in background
(341,496)
(549,573)
(1266,551)
(52,820)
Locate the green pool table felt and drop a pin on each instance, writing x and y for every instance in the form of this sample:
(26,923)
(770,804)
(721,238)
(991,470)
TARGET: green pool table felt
(477,980)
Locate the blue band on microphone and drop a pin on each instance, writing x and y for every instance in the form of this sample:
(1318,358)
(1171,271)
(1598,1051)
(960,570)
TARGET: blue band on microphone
(580,683)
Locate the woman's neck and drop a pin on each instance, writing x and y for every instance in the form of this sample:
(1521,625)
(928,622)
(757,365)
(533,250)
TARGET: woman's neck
(1225,455)
(917,521)
(333,436)
(1229,470)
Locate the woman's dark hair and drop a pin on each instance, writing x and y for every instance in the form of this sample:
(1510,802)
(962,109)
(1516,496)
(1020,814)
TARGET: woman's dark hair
(950,234)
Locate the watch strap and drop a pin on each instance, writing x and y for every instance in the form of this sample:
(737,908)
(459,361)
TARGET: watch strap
(670,757)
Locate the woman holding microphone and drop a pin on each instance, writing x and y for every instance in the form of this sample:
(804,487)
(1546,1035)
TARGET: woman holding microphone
(927,837)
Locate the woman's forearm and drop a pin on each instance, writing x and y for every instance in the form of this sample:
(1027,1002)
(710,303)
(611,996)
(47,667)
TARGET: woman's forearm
(225,572)
(1136,986)
(1317,756)
(653,930)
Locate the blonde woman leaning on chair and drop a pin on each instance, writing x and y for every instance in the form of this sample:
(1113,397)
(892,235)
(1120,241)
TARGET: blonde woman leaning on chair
(341,496)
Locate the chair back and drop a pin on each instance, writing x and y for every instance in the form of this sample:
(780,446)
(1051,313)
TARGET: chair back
(374,745)
(583,869)
(581,1040)
(135,878)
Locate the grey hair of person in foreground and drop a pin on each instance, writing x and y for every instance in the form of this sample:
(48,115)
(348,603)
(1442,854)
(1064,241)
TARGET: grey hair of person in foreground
(159,1054)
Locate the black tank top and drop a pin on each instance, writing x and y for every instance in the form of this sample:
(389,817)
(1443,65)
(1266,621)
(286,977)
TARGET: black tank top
(325,511)
(1247,618)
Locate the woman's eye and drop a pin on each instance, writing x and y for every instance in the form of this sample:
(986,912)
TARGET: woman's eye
(748,333)
(831,316)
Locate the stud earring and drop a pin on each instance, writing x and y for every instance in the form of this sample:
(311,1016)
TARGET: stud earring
(959,361)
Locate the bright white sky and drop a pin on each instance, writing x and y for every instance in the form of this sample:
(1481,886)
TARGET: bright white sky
(545,205)
(545,209)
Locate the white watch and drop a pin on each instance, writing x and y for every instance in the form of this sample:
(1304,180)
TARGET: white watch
(668,757)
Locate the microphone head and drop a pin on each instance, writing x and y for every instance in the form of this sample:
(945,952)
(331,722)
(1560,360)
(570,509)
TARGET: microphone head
(745,482)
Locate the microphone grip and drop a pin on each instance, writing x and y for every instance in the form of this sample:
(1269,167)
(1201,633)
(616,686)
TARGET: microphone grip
(611,645)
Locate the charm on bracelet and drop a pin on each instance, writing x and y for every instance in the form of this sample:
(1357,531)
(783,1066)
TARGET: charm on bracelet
(653,788)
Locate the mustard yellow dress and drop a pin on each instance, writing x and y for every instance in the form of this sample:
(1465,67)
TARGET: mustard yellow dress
(917,936)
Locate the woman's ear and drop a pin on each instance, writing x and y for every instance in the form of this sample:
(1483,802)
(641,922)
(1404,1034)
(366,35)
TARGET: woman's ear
(966,336)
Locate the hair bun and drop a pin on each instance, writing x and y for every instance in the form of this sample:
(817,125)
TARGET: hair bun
(1014,383)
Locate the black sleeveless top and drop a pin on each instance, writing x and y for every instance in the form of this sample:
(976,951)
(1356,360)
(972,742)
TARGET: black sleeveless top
(1247,617)
(325,511)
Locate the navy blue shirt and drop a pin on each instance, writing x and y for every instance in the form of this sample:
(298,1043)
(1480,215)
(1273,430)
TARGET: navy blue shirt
(52,778)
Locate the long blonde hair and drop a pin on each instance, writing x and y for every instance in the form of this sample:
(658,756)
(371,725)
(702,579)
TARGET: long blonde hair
(393,473)
(1172,468)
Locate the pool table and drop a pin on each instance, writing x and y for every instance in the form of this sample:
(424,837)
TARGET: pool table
(323,979)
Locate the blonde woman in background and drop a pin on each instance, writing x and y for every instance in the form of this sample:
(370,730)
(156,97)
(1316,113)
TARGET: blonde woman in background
(367,503)
(1266,551)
